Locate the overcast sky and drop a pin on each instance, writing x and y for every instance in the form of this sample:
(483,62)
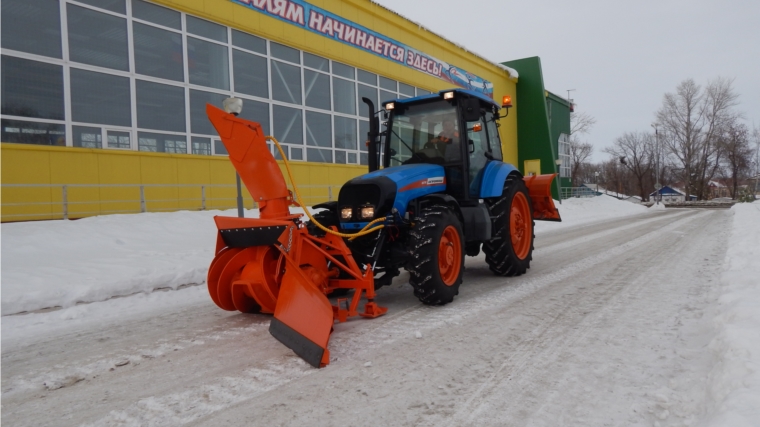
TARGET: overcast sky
(620,57)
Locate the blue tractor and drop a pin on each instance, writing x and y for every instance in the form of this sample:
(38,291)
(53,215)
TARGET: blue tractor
(437,178)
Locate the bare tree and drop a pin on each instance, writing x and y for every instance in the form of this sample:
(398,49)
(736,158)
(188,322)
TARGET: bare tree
(579,154)
(738,155)
(635,151)
(580,123)
(694,119)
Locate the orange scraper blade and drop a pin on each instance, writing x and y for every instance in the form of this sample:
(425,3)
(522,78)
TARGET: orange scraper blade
(540,190)
(303,318)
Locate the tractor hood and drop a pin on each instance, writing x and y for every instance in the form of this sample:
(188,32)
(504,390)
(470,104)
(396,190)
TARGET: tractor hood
(388,188)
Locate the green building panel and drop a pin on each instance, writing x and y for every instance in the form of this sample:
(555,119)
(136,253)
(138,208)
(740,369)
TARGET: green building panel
(538,133)
(559,110)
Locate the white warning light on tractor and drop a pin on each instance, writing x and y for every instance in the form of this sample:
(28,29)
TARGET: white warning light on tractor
(368,212)
(390,106)
(448,95)
(346,213)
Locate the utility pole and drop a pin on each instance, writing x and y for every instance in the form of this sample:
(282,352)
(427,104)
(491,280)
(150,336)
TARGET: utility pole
(657,184)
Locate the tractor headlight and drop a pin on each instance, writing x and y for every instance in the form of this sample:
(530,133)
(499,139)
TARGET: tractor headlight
(367,212)
(346,213)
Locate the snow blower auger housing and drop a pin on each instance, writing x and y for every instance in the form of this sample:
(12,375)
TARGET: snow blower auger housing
(436,190)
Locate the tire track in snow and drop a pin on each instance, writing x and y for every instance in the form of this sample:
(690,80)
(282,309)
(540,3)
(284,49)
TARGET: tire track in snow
(358,342)
(362,338)
(385,326)
(526,362)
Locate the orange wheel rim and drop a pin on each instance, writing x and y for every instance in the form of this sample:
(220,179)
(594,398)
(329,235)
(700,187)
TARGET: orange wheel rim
(449,255)
(520,224)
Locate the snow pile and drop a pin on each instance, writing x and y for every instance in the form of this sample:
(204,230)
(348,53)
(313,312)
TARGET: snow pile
(61,263)
(576,211)
(734,384)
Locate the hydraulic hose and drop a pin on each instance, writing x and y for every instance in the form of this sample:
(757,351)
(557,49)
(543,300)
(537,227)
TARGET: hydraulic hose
(364,231)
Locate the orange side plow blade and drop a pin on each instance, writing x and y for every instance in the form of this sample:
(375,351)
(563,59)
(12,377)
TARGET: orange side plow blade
(540,190)
(303,318)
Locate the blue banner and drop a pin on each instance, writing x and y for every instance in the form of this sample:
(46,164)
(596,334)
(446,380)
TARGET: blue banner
(322,22)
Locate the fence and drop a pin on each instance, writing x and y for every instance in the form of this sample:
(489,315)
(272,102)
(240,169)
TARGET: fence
(570,192)
(69,201)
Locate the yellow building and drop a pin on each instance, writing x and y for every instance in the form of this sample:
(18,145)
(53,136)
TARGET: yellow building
(103,100)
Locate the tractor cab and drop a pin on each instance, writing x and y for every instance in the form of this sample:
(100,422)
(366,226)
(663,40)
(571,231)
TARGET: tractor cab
(457,129)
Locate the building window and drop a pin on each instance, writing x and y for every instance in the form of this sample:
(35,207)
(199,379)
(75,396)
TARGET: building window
(207,64)
(23,132)
(32,89)
(345,133)
(118,139)
(367,77)
(258,112)
(249,42)
(316,89)
(285,53)
(87,137)
(564,155)
(286,83)
(160,106)
(97,38)
(158,53)
(344,96)
(161,143)
(251,74)
(31,26)
(201,145)
(316,62)
(367,92)
(156,14)
(198,120)
(100,98)
(288,125)
(118,6)
(209,30)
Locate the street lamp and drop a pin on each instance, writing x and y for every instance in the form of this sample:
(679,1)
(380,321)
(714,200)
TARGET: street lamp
(657,185)
(596,181)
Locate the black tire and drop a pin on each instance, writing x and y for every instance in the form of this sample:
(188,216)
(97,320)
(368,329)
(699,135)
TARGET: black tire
(500,251)
(432,226)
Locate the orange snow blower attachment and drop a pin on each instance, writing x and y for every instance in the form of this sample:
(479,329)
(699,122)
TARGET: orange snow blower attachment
(271,264)
(540,190)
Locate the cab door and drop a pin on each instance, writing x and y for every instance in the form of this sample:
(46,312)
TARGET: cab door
(479,144)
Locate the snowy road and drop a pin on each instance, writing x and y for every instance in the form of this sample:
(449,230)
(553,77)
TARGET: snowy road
(609,327)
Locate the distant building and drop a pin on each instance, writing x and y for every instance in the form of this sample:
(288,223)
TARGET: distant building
(669,194)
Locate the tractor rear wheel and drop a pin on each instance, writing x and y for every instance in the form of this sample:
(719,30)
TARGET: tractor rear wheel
(437,248)
(510,251)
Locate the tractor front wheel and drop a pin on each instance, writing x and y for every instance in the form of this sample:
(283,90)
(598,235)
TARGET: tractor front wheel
(437,249)
(510,251)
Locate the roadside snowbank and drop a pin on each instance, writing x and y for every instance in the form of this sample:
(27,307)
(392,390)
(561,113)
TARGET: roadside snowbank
(585,210)
(61,263)
(734,383)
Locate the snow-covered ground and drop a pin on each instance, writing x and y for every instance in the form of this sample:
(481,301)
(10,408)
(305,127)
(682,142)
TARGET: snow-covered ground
(79,268)
(61,263)
(735,381)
